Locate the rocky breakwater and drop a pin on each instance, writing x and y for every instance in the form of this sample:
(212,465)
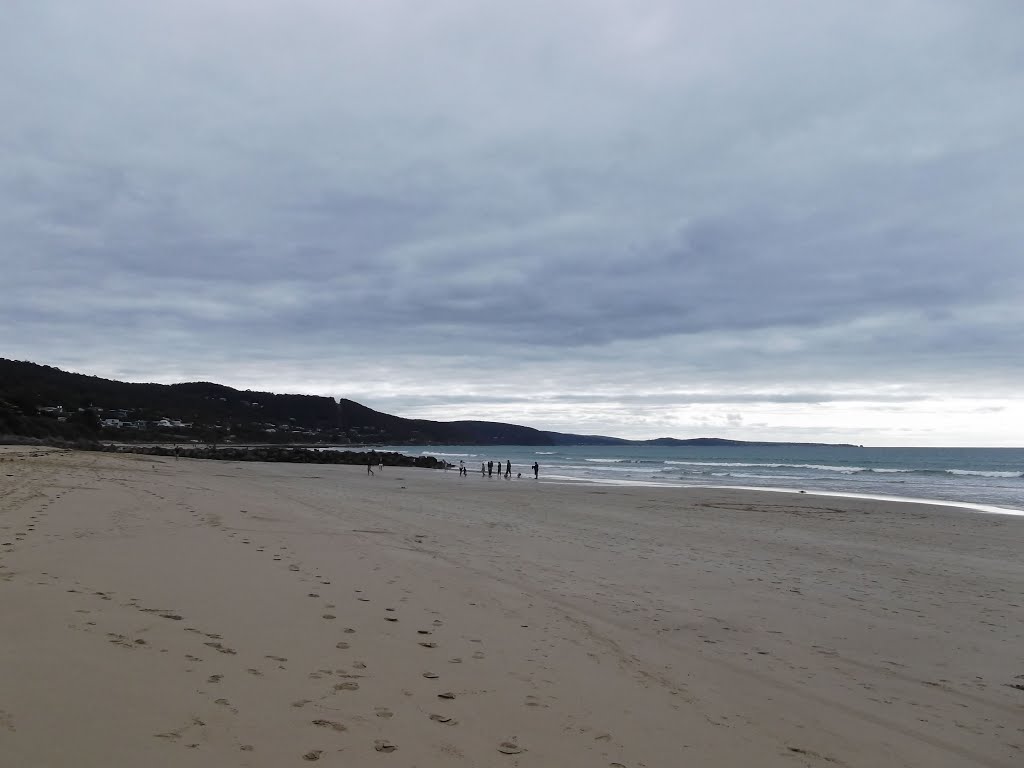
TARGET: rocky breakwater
(282,453)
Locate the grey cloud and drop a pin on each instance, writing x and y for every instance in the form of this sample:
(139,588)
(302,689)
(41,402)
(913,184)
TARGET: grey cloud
(611,201)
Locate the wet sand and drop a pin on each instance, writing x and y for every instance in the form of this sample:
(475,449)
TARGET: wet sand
(165,612)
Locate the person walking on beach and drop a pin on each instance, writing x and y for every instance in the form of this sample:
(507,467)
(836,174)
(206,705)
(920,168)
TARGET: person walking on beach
(483,469)
(490,469)
(536,470)
(369,466)
(508,469)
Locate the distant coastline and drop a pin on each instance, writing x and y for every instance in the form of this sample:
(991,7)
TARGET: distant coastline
(722,442)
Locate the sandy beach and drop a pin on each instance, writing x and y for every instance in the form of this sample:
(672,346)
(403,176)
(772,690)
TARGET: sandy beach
(161,612)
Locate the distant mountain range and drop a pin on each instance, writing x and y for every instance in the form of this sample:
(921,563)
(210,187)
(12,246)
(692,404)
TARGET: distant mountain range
(45,402)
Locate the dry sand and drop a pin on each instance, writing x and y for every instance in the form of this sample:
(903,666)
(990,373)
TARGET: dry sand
(156,612)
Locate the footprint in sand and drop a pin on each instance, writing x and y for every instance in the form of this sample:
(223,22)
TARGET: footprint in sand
(329,616)
(429,645)
(358,665)
(214,678)
(382,745)
(444,719)
(509,748)
(346,686)
(383,712)
(313,754)
(342,646)
(478,654)
(431,675)
(222,649)
(226,703)
(330,724)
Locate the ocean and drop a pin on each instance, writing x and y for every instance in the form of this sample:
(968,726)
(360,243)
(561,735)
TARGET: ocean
(973,476)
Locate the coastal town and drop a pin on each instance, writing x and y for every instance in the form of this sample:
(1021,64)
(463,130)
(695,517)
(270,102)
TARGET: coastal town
(129,424)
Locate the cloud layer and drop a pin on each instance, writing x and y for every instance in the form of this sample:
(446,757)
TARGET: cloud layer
(639,218)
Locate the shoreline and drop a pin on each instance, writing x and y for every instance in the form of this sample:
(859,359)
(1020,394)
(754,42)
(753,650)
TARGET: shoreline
(440,458)
(971,506)
(183,612)
(986,479)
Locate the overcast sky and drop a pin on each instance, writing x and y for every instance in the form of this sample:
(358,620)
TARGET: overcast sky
(760,220)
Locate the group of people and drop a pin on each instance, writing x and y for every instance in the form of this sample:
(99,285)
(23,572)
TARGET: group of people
(488,469)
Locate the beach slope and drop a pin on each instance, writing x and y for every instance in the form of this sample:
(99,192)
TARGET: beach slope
(166,612)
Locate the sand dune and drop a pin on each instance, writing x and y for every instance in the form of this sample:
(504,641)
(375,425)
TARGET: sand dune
(156,612)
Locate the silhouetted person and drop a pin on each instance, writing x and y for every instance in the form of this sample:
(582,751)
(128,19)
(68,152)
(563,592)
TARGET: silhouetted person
(490,469)
(369,466)
(536,470)
(508,469)
(483,469)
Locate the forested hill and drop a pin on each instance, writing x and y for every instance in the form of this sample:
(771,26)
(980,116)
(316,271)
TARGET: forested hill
(42,401)
(45,402)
